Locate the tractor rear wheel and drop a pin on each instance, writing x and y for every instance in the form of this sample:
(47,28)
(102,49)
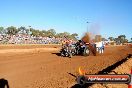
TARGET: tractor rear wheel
(86,51)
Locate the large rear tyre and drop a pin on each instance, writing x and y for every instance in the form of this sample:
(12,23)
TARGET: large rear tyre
(86,51)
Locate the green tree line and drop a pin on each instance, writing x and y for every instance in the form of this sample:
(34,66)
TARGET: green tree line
(119,39)
(35,32)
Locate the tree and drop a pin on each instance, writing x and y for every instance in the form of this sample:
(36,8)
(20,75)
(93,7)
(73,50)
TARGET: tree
(104,39)
(41,33)
(66,33)
(122,38)
(23,30)
(131,40)
(12,30)
(51,33)
(74,36)
(117,40)
(1,30)
(35,32)
(59,35)
(111,38)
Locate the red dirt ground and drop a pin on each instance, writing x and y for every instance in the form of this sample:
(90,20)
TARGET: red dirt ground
(48,70)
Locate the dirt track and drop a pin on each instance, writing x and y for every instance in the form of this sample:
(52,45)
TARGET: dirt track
(47,70)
